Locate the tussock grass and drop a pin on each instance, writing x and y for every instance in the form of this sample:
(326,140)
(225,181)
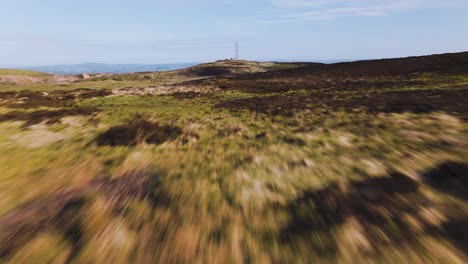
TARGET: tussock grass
(238,183)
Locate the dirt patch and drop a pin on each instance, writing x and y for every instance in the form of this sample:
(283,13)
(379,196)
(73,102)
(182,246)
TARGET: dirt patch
(48,116)
(138,132)
(61,211)
(450,178)
(58,98)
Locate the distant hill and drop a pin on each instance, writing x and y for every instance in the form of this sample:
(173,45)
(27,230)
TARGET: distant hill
(108,68)
(449,63)
(16,72)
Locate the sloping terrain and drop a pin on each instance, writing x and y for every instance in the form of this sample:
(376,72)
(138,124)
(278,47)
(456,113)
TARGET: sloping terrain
(228,68)
(9,78)
(96,68)
(351,75)
(5,72)
(241,162)
(22,76)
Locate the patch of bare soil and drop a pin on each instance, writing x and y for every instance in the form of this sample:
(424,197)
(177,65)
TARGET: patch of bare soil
(61,211)
(48,116)
(58,98)
(140,131)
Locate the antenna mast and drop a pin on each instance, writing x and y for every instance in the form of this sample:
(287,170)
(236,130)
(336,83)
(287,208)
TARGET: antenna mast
(237,50)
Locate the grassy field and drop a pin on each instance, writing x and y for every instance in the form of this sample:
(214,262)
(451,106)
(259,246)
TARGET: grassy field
(23,73)
(252,171)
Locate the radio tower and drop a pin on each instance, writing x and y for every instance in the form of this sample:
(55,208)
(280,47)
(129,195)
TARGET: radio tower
(237,50)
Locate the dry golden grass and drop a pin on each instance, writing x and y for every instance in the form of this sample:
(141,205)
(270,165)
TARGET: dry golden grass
(239,182)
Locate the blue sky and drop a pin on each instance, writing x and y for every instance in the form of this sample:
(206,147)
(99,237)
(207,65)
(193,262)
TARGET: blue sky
(50,32)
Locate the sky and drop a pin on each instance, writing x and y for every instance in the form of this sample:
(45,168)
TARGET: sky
(50,32)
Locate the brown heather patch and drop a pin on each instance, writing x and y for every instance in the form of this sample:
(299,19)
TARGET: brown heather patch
(57,98)
(187,95)
(49,116)
(456,63)
(355,76)
(211,71)
(140,131)
(387,102)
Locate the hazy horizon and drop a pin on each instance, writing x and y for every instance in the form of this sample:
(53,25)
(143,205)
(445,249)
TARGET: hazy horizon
(173,63)
(326,61)
(161,32)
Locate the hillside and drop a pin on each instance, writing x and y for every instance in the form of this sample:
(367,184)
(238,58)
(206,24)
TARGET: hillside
(239,161)
(109,68)
(5,72)
(229,68)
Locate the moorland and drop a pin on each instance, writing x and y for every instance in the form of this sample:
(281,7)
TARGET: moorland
(238,161)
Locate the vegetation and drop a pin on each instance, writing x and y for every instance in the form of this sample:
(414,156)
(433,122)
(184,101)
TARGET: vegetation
(237,168)
(23,73)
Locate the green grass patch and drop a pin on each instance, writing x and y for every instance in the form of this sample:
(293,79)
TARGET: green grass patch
(23,73)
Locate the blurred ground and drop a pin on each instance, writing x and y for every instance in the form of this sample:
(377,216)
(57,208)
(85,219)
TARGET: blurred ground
(239,162)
